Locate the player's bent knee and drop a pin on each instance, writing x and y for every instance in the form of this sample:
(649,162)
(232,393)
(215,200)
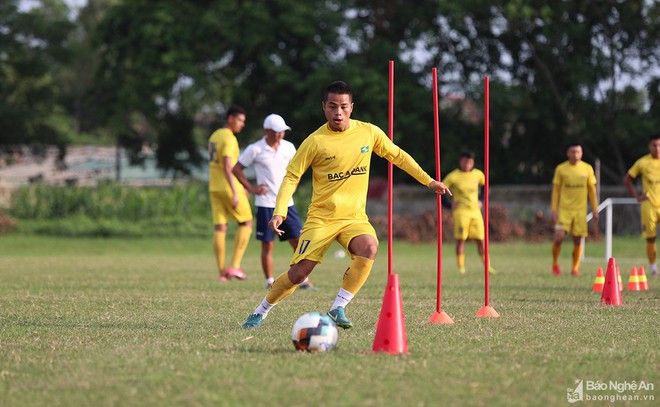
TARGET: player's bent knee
(368,250)
(299,271)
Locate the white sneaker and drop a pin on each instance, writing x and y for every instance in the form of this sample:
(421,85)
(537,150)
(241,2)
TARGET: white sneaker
(654,270)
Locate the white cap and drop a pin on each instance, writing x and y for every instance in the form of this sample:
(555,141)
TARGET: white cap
(276,123)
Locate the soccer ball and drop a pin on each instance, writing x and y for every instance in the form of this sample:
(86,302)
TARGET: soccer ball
(314,332)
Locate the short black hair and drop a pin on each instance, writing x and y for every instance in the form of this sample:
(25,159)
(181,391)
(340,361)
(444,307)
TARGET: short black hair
(338,88)
(654,136)
(235,110)
(467,154)
(574,143)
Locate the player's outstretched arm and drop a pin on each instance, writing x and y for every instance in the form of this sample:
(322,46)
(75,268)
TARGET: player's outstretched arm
(439,187)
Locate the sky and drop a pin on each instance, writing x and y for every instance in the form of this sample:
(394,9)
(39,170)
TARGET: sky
(28,4)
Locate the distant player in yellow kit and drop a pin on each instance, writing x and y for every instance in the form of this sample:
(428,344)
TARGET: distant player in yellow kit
(464,183)
(228,197)
(339,153)
(648,167)
(573,183)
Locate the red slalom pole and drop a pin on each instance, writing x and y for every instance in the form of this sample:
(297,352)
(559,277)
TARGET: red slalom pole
(391,334)
(390,169)
(486,310)
(439,316)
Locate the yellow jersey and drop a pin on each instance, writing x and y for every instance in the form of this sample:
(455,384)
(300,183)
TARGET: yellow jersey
(222,143)
(649,168)
(464,187)
(340,164)
(574,182)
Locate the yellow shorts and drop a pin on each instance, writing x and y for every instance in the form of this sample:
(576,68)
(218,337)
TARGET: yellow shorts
(468,225)
(650,216)
(222,210)
(573,222)
(317,236)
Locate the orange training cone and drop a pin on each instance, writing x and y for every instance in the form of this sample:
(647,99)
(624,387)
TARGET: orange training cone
(440,317)
(633,280)
(618,276)
(487,311)
(599,281)
(643,281)
(611,293)
(391,331)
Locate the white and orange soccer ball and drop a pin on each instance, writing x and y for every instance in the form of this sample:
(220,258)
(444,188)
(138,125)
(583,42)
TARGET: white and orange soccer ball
(314,332)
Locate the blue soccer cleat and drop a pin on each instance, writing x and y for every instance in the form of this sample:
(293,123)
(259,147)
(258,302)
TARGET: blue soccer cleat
(254,321)
(339,317)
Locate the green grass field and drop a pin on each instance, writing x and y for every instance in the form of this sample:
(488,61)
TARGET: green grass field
(93,322)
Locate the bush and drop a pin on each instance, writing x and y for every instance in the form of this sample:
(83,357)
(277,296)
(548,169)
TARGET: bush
(117,210)
(110,201)
(82,226)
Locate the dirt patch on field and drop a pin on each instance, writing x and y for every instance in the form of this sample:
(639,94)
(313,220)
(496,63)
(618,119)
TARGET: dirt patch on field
(7,224)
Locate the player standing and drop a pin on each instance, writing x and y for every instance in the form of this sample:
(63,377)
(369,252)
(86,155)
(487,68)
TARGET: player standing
(228,198)
(573,182)
(648,167)
(465,182)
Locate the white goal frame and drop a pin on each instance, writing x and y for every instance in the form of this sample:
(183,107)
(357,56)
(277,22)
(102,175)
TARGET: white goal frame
(607,206)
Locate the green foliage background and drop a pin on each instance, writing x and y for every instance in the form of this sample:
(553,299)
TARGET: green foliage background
(161,74)
(115,210)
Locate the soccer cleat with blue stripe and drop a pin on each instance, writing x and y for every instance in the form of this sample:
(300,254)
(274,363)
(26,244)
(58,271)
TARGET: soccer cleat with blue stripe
(339,318)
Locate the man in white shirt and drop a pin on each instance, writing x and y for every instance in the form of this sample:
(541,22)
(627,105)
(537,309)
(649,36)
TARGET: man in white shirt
(270,156)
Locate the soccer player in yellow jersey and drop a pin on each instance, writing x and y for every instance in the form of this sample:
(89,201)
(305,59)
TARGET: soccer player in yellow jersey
(573,182)
(465,182)
(339,153)
(648,167)
(228,197)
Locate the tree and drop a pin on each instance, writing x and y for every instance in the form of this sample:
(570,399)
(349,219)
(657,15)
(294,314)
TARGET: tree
(565,58)
(33,48)
(164,73)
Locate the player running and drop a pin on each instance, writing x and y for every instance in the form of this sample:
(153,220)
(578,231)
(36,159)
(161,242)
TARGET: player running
(339,153)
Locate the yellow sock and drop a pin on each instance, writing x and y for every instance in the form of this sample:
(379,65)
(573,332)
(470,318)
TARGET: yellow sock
(281,288)
(460,261)
(651,252)
(577,256)
(241,241)
(556,249)
(356,274)
(219,249)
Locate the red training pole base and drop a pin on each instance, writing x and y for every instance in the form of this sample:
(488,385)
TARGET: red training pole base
(440,318)
(487,312)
